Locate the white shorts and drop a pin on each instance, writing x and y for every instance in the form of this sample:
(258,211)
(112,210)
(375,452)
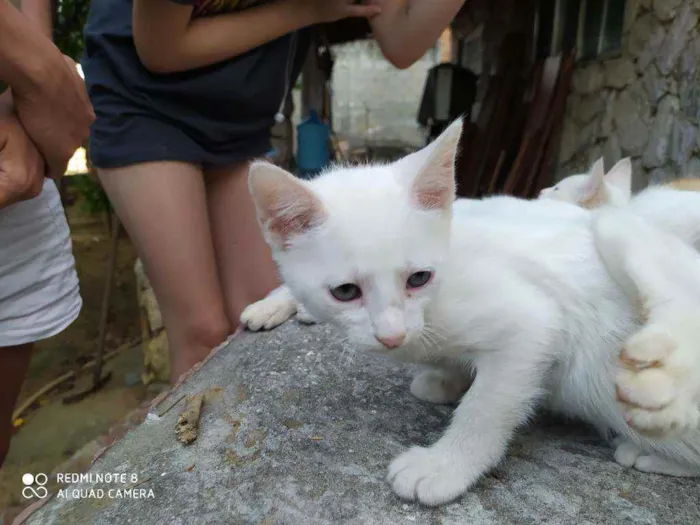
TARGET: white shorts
(39,293)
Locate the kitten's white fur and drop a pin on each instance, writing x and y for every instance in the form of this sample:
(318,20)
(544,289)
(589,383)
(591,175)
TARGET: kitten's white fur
(659,383)
(519,294)
(595,188)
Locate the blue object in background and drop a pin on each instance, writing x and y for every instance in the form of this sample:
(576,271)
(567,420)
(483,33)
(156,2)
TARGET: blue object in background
(313,136)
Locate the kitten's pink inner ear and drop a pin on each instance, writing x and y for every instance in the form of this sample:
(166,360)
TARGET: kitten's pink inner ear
(434,186)
(594,182)
(286,207)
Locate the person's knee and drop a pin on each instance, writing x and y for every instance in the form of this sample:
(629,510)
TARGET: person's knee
(207,331)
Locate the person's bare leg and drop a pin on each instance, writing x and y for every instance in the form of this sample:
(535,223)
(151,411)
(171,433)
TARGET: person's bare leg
(14,363)
(163,208)
(246,269)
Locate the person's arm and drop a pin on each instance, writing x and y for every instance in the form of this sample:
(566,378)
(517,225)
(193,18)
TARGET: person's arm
(23,55)
(49,96)
(406,29)
(168,39)
(39,12)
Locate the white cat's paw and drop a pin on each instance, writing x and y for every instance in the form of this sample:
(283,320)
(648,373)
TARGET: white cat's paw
(304,317)
(438,386)
(432,476)
(269,312)
(628,455)
(658,384)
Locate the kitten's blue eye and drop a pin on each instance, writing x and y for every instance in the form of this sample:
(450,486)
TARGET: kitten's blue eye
(418,279)
(346,292)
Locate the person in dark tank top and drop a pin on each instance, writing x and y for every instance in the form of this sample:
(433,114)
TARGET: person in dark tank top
(185,93)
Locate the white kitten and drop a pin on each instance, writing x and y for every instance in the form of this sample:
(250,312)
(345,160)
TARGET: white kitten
(512,289)
(596,188)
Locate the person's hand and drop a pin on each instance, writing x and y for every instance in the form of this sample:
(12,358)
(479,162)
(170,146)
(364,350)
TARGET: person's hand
(55,111)
(22,167)
(324,11)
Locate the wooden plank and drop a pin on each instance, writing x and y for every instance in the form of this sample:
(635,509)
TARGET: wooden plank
(533,138)
(549,157)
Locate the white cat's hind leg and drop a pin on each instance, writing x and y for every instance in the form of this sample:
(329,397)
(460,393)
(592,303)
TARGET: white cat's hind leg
(440,386)
(658,384)
(272,311)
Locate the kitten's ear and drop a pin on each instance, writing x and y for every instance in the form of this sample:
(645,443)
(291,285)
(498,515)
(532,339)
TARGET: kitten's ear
(593,188)
(434,187)
(620,176)
(285,205)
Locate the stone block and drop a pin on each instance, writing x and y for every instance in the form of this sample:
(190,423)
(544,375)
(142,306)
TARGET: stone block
(588,79)
(298,428)
(676,39)
(619,72)
(665,10)
(656,153)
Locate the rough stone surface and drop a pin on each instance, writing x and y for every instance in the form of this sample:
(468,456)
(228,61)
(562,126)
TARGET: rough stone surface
(655,85)
(619,72)
(692,169)
(640,33)
(676,39)
(640,178)
(627,119)
(631,12)
(661,176)
(665,10)
(651,48)
(567,145)
(588,108)
(611,151)
(683,138)
(297,428)
(649,95)
(657,150)
(588,79)
(606,125)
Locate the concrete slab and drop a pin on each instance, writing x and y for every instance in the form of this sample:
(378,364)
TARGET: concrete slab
(299,429)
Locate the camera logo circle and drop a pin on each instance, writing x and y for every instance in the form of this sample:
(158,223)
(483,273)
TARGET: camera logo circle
(34,486)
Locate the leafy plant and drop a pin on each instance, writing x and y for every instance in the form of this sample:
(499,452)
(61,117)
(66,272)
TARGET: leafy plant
(93,198)
(68,21)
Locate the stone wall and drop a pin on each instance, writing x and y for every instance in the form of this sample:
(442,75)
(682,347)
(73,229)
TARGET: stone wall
(644,103)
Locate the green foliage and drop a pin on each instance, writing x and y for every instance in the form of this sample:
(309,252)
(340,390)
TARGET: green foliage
(69,18)
(93,198)
(68,22)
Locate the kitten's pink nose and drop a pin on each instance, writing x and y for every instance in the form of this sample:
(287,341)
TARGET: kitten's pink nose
(392,341)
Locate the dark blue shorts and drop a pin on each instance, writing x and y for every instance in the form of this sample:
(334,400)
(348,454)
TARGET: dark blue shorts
(212,116)
(125,134)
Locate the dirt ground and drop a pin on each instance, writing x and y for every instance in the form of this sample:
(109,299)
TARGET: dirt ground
(53,431)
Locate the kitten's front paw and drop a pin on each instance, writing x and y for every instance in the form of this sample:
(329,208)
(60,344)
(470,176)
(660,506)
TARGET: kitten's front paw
(432,476)
(303,316)
(439,386)
(658,385)
(269,312)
